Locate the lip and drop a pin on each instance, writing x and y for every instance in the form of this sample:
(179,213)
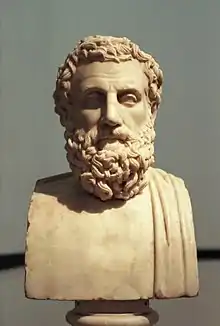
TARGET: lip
(115,137)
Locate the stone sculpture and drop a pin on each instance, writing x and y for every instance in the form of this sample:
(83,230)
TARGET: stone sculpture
(115,231)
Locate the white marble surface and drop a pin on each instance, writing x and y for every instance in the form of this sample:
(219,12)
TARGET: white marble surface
(201,311)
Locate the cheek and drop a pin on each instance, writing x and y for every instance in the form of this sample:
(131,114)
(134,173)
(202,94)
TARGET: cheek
(85,119)
(91,117)
(139,114)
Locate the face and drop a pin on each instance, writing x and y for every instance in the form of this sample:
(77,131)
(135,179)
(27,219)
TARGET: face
(111,95)
(111,145)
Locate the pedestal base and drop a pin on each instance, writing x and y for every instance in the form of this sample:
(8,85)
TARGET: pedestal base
(112,313)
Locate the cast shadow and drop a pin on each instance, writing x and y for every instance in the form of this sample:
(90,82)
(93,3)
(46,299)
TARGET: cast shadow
(67,192)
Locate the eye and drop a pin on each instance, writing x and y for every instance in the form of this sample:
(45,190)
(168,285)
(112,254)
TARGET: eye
(128,98)
(94,95)
(94,98)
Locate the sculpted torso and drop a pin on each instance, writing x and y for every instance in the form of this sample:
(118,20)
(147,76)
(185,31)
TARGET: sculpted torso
(115,228)
(141,248)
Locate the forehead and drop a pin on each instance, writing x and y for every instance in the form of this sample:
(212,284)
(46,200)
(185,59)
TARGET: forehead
(105,75)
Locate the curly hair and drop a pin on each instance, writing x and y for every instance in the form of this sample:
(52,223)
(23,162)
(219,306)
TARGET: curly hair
(103,49)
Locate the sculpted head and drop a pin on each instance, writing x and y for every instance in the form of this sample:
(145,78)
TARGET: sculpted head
(107,95)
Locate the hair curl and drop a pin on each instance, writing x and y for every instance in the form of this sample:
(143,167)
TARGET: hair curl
(103,49)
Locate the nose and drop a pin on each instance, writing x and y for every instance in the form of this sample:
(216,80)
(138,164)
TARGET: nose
(111,115)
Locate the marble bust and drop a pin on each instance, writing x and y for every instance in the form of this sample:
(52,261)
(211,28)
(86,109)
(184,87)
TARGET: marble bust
(115,227)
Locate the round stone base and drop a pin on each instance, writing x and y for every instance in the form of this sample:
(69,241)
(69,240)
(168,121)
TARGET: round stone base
(112,313)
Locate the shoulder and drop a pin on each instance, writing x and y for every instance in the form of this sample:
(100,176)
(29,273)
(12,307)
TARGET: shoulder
(170,193)
(57,193)
(53,183)
(51,192)
(168,182)
(166,177)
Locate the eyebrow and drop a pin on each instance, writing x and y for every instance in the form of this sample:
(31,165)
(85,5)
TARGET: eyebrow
(91,88)
(120,90)
(102,85)
(133,90)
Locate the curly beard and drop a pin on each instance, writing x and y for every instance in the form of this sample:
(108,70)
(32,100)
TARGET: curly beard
(112,164)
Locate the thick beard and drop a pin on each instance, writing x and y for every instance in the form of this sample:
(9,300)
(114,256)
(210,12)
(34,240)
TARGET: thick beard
(113,165)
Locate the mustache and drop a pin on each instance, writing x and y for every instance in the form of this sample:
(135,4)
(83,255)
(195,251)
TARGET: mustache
(119,137)
(121,133)
(96,133)
(100,134)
